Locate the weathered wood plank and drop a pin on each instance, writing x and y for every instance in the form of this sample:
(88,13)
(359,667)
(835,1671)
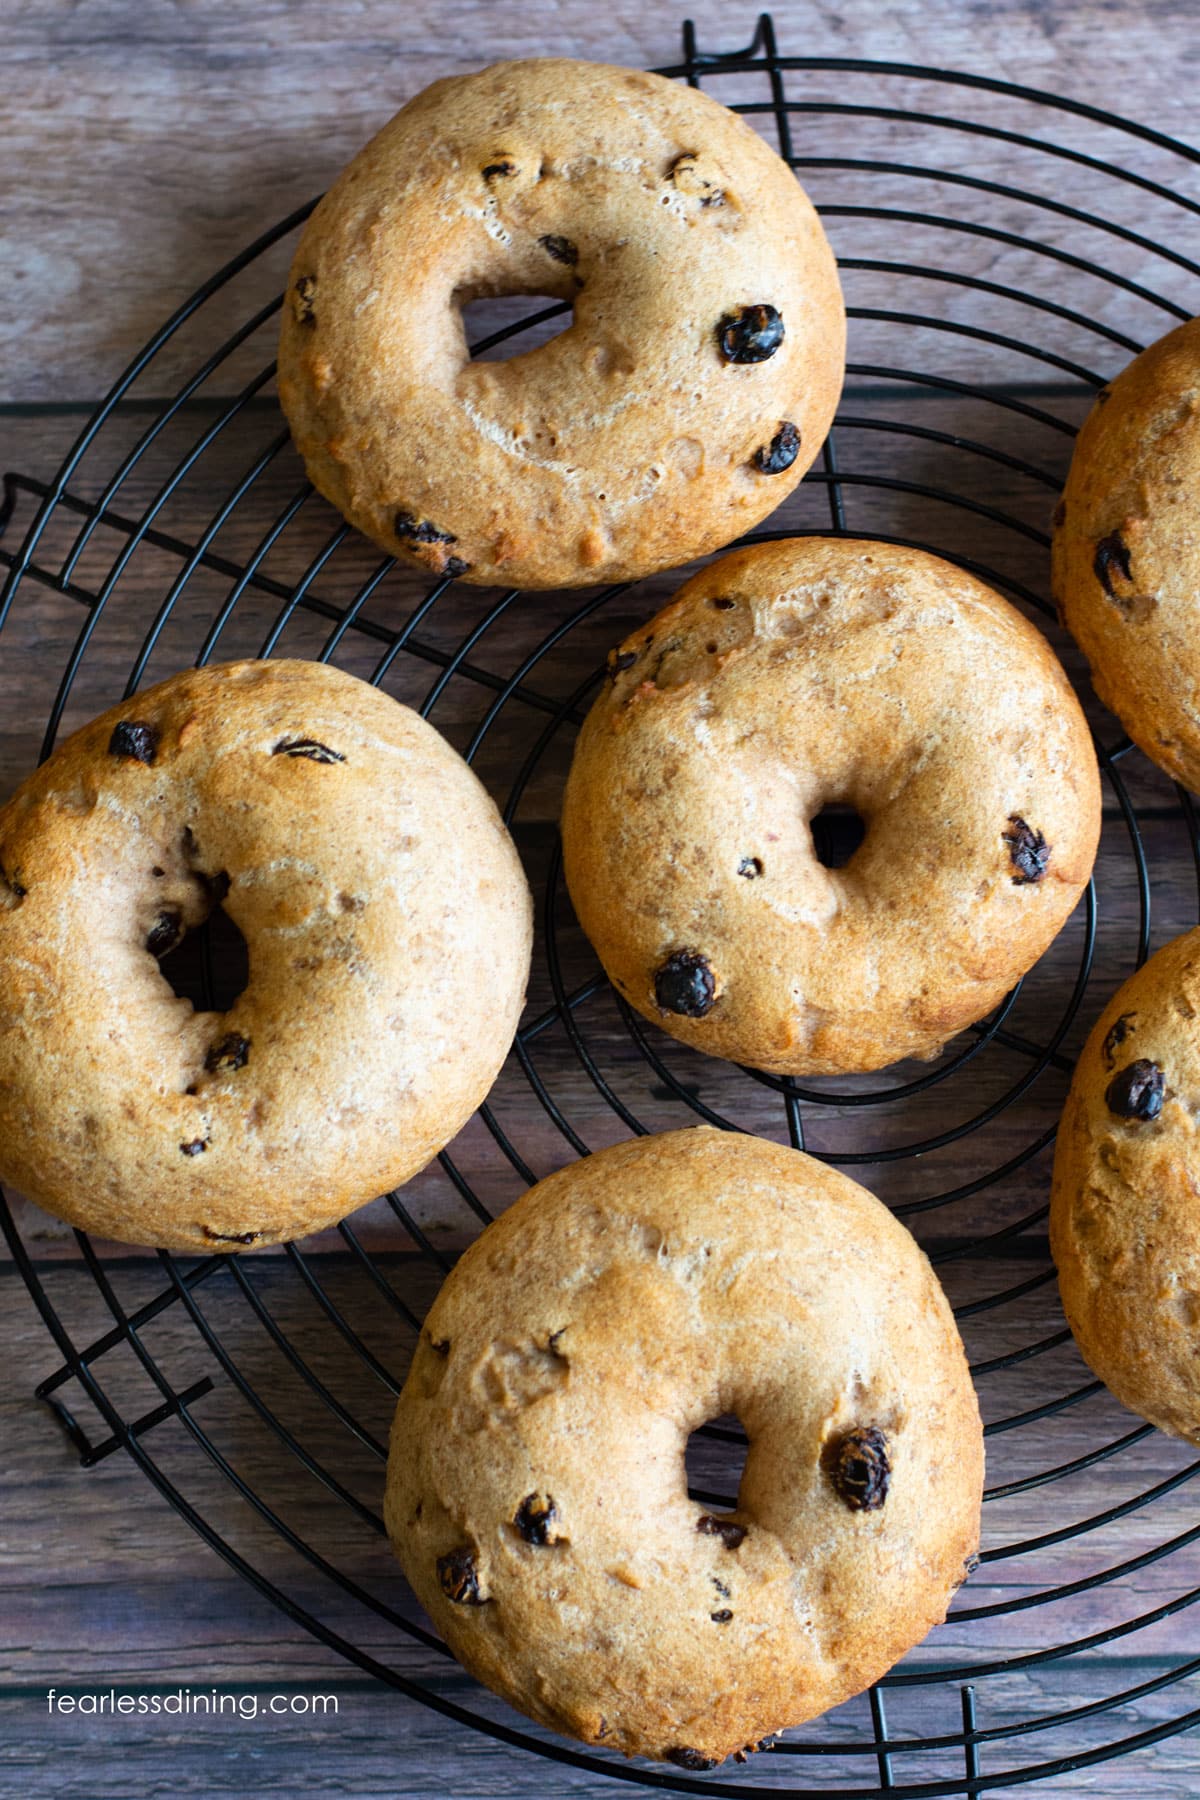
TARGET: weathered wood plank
(155,140)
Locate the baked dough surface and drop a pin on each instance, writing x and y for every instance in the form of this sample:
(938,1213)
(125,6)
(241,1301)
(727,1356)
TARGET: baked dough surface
(694,386)
(388,924)
(806,673)
(1126,551)
(536,1489)
(1125,1206)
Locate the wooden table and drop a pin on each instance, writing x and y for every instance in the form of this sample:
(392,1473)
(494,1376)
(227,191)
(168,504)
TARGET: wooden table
(148,143)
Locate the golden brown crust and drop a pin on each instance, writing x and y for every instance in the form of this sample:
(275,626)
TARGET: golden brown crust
(807,672)
(388,926)
(1126,553)
(629,442)
(1125,1207)
(616,1307)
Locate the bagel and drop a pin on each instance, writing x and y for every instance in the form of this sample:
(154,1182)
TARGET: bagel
(536,1487)
(388,926)
(1126,550)
(1125,1202)
(799,675)
(693,387)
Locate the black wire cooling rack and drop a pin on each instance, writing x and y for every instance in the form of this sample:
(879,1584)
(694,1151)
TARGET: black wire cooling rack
(255,1393)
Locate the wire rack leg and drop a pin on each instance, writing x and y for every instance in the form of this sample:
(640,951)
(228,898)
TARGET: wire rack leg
(971,1742)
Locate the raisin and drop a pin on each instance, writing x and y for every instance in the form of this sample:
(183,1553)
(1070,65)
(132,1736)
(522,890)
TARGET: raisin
(693,182)
(781,452)
(165,933)
(304,290)
(722,604)
(233,1052)
(197,1147)
(619,661)
(535,1517)
(1103,394)
(685,984)
(15,887)
(721,1587)
(729,1531)
(1116,1036)
(420,531)
(455,565)
(683,1758)
(859,1468)
(721,1618)
(1136,1092)
(231,1237)
(751,867)
(137,741)
(1028,851)
(561,249)
(1111,552)
(459,1577)
(308,748)
(1060,515)
(503,167)
(440,1345)
(750,335)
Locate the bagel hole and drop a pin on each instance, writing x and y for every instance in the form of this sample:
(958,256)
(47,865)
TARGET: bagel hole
(216,947)
(509,313)
(714,1458)
(837,831)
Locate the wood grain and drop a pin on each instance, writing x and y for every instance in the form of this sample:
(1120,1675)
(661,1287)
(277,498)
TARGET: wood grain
(153,139)
(150,143)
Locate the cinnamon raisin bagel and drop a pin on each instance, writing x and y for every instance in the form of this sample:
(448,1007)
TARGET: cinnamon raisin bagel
(791,677)
(536,1488)
(1126,552)
(693,387)
(387,921)
(1125,1204)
